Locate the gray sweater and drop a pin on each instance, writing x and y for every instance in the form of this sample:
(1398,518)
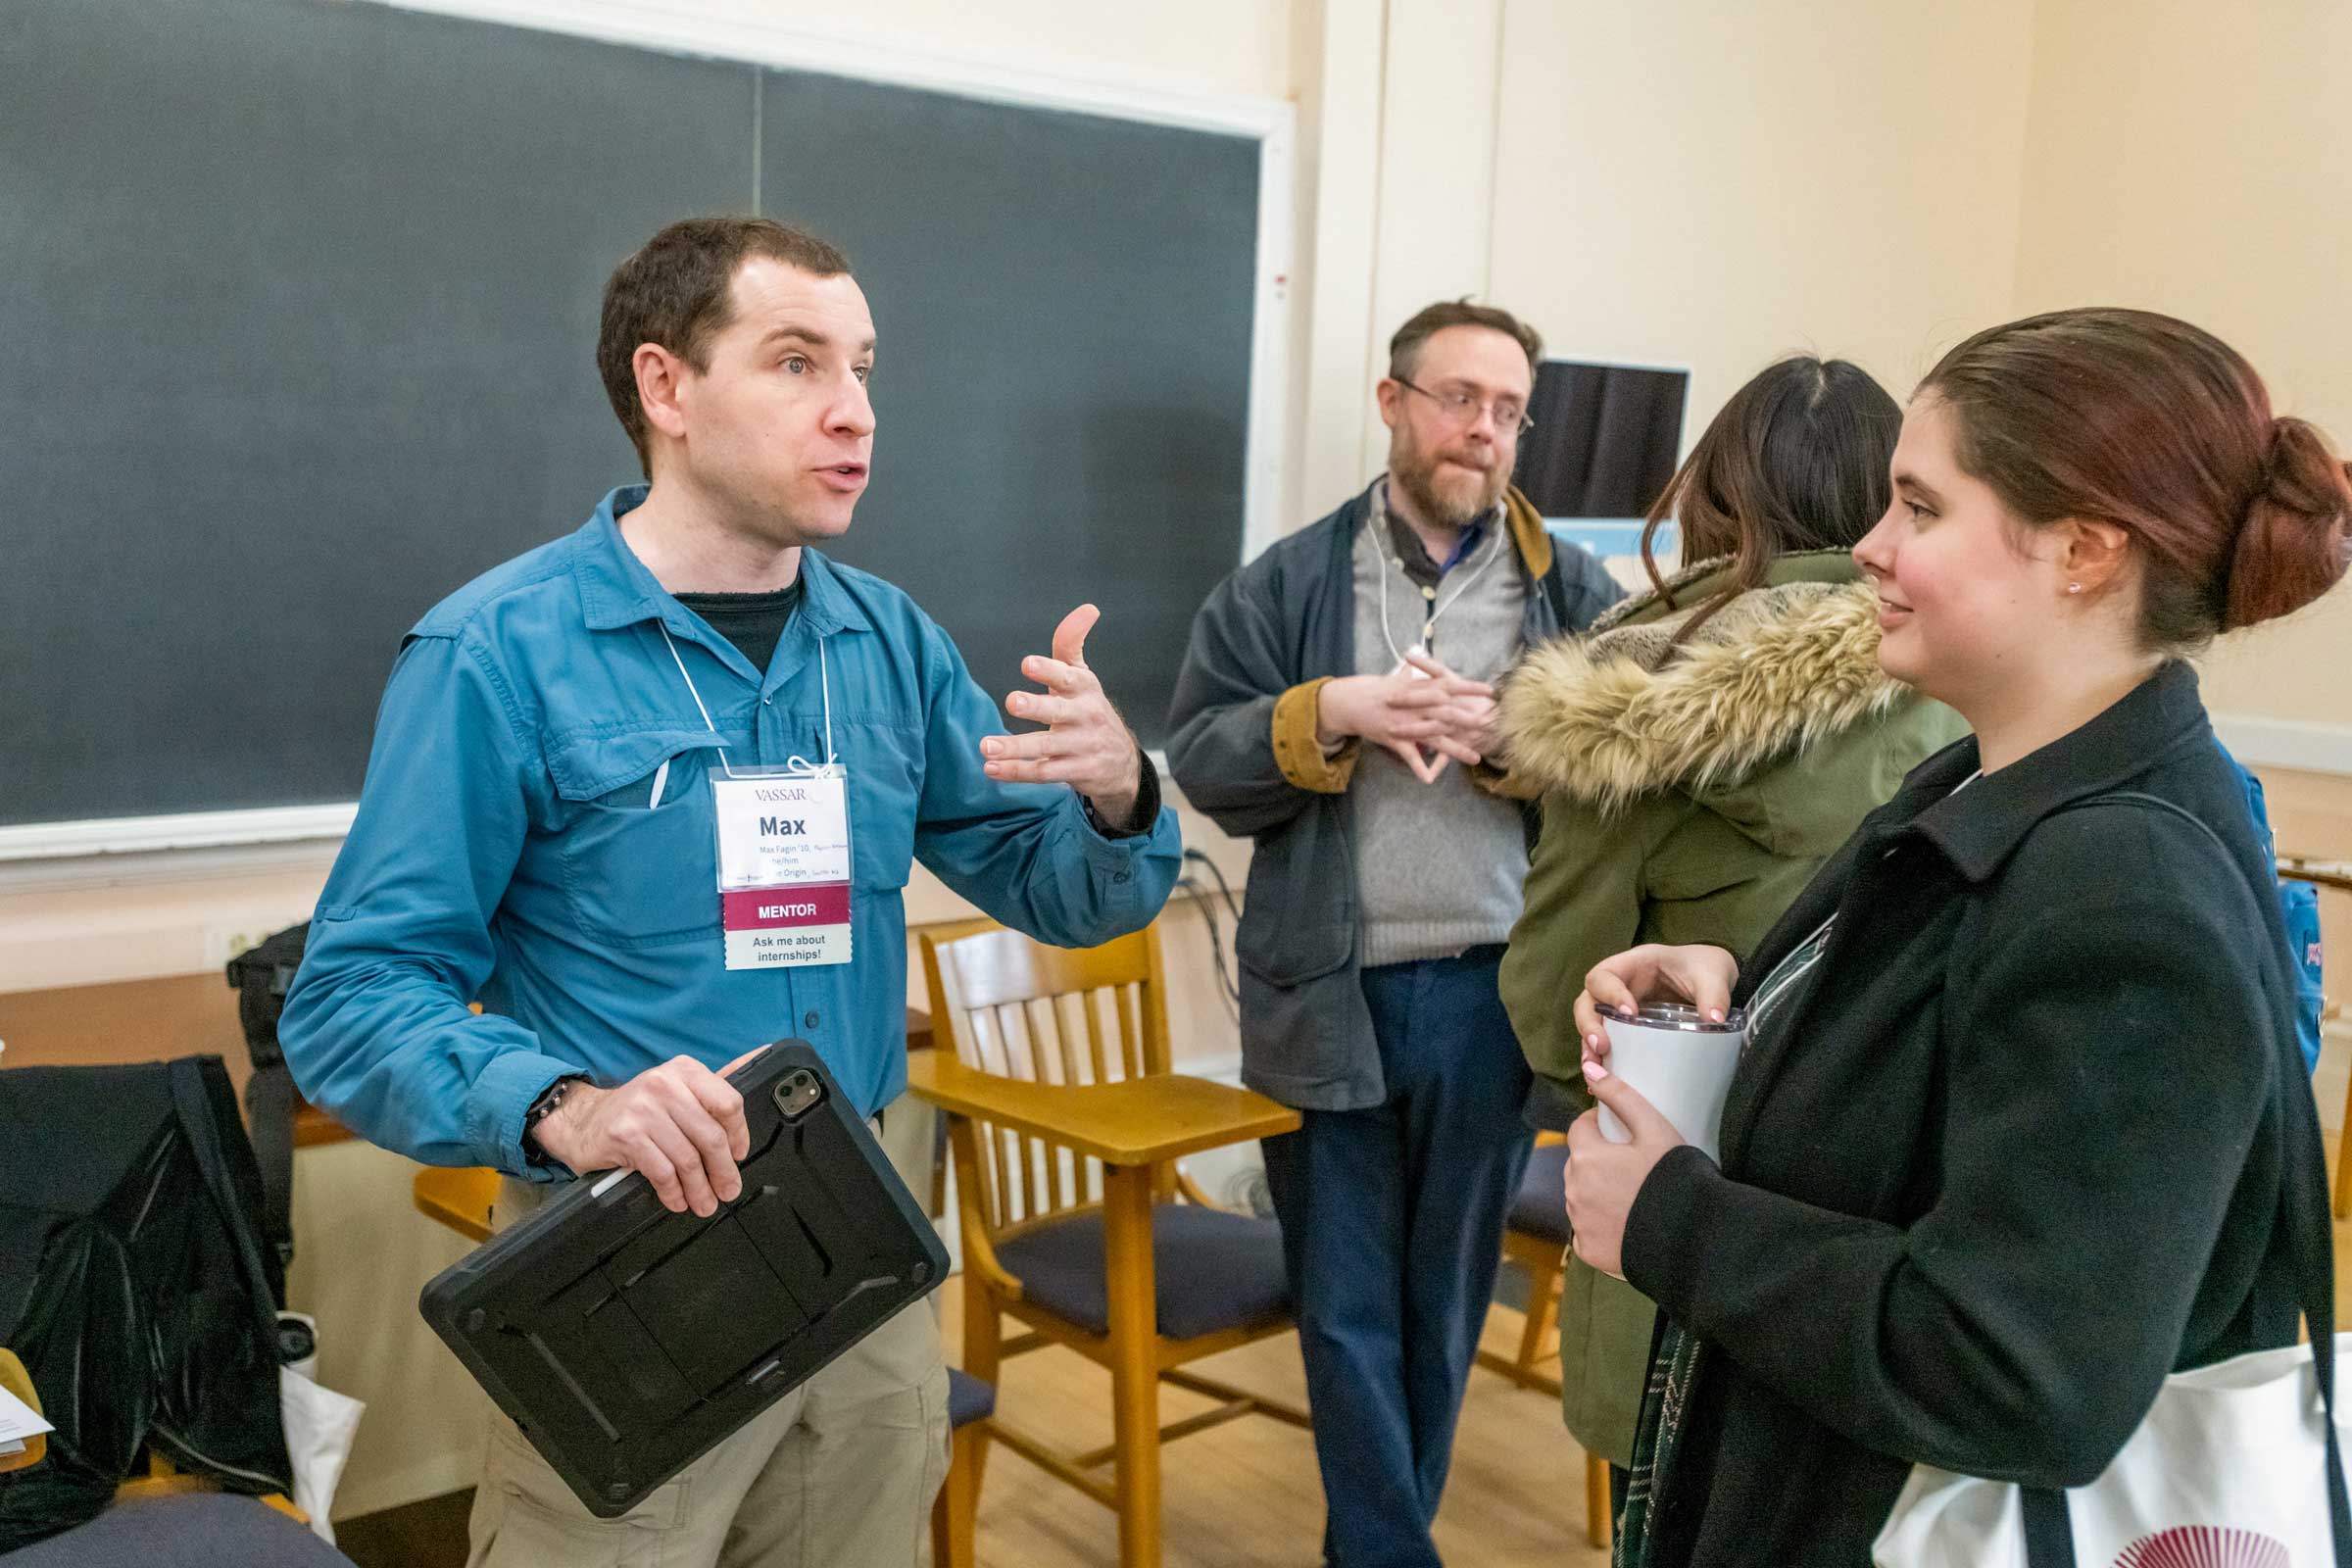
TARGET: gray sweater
(1439,865)
(1242,701)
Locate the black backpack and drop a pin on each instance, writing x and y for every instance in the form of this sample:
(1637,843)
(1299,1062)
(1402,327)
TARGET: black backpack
(261,977)
(134,1286)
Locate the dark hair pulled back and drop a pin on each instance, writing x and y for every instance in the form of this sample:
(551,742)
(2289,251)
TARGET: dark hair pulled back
(2161,429)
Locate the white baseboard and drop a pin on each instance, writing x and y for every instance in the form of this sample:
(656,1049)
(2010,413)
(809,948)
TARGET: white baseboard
(2305,745)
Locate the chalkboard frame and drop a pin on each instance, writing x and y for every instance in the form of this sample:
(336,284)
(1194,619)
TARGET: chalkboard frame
(1269,122)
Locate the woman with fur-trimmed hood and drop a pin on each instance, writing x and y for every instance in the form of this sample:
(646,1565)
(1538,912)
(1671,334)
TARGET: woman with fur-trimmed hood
(1700,751)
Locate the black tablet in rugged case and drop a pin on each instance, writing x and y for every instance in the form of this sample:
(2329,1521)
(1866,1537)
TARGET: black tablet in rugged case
(626,1341)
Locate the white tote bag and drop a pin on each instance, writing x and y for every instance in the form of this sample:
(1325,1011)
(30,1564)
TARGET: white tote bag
(319,1427)
(2236,1465)
(2228,1470)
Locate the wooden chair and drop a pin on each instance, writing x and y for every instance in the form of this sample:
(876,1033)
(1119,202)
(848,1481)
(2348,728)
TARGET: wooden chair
(1534,1237)
(955,1512)
(458,1197)
(1065,1123)
(163,1479)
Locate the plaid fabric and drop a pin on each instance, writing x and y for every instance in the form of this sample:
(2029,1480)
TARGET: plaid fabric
(1673,1372)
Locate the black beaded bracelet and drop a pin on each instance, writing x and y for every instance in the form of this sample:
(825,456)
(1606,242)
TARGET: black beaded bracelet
(539,1109)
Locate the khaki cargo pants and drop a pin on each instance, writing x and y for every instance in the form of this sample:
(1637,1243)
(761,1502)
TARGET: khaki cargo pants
(839,1473)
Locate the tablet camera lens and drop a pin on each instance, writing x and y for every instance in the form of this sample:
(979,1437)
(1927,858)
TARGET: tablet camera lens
(798,1092)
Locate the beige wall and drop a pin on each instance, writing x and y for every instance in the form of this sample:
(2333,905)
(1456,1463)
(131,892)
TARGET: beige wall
(1680,182)
(1684,182)
(2189,160)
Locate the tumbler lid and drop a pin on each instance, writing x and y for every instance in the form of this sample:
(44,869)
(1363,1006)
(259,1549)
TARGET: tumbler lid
(1677,1015)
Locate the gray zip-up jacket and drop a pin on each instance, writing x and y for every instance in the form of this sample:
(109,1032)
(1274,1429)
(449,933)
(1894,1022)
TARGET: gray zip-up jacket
(1242,747)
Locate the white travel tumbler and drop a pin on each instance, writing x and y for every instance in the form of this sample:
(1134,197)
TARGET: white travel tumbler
(1678,1061)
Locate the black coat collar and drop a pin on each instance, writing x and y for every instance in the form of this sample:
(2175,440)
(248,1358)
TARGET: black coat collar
(2160,718)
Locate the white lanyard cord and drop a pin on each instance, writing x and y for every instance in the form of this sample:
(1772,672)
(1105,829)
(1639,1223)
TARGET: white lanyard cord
(688,680)
(798,765)
(1429,626)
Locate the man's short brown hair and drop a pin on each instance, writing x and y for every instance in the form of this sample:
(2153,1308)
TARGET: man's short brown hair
(1405,348)
(673,291)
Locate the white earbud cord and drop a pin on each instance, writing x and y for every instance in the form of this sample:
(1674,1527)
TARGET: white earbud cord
(1428,627)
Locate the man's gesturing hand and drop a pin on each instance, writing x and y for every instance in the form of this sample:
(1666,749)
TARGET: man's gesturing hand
(1084,743)
(1421,707)
(679,1124)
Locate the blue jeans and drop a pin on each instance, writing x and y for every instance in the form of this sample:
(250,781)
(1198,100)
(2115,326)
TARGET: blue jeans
(1392,1228)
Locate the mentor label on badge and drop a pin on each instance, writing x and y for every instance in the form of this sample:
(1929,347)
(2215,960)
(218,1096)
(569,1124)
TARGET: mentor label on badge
(784,869)
(768,927)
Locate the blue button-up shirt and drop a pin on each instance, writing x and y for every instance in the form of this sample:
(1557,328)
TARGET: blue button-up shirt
(508,846)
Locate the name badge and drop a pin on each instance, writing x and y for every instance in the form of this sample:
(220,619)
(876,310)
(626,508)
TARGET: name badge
(783,868)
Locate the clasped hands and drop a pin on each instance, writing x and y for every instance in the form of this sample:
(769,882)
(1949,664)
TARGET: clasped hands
(1421,712)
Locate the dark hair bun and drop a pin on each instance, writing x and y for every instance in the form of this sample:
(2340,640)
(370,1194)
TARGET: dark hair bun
(2292,545)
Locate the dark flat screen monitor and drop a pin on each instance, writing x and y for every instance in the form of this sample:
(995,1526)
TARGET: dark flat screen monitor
(1605,441)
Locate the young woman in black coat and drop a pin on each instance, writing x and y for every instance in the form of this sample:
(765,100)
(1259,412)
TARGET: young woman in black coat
(2011,1135)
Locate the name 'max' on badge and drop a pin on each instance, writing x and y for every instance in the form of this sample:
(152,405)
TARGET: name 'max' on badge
(783,868)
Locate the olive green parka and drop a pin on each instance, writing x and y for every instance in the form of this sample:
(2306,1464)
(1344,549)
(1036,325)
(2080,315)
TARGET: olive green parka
(1690,793)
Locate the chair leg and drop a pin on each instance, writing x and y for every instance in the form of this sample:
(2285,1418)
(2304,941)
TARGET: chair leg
(1543,1296)
(1597,1500)
(954,1541)
(1134,1372)
(2343,1148)
(983,1343)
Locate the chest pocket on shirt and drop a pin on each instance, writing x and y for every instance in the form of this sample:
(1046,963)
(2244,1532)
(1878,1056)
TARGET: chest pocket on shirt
(886,785)
(637,875)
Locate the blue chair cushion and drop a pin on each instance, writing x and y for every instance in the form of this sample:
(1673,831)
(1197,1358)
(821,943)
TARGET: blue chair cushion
(1540,1209)
(198,1530)
(1212,1271)
(969,1398)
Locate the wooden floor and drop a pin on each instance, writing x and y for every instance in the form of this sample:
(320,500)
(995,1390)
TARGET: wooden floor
(1245,1494)
(1238,1495)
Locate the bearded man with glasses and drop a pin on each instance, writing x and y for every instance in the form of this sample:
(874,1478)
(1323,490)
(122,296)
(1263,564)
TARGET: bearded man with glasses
(1335,707)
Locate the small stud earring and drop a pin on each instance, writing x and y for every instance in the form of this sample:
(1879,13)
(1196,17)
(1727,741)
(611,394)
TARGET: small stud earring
(2074,587)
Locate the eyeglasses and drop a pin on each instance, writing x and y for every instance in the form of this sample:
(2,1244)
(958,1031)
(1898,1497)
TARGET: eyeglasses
(1463,407)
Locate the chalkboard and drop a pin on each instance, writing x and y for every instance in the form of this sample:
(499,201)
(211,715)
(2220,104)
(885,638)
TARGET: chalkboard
(1063,376)
(302,305)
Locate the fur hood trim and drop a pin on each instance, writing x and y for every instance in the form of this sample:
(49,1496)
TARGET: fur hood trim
(1613,716)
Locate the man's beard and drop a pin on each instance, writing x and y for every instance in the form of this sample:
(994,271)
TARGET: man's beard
(1416,473)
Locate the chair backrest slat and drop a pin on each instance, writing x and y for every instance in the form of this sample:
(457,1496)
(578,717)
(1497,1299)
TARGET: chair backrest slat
(992,1052)
(1131,1034)
(1074,1068)
(1017,1009)
(1094,1038)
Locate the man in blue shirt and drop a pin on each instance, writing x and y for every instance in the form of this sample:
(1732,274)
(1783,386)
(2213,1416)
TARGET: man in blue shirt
(539,832)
